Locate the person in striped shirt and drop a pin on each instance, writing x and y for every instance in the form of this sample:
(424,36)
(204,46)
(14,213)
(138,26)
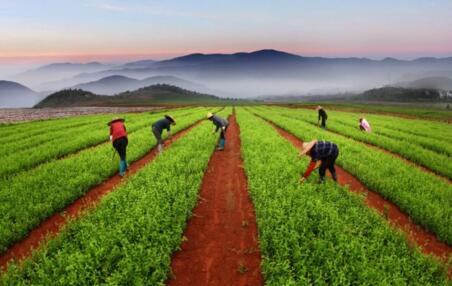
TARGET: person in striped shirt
(323,154)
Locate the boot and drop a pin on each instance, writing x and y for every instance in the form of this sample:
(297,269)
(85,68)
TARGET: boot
(160,148)
(122,167)
(221,145)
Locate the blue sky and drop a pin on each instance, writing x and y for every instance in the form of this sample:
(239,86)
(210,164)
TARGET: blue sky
(109,29)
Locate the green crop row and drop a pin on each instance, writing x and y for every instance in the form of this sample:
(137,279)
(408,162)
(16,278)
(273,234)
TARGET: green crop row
(312,234)
(129,237)
(438,163)
(49,150)
(32,196)
(424,197)
(19,131)
(381,128)
(61,135)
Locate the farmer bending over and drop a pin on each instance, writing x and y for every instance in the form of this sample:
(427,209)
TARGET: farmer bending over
(118,136)
(157,129)
(323,151)
(220,123)
(322,115)
(364,125)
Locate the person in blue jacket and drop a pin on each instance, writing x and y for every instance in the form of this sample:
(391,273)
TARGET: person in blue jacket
(159,126)
(220,123)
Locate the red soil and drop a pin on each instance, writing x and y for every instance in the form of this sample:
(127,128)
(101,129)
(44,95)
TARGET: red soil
(52,225)
(221,244)
(415,233)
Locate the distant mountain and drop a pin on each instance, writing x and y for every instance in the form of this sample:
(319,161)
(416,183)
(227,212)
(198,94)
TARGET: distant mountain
(58,71)
(276,72)
(13,94)
(139,64)
(439,83)
(151,95)
(115,84)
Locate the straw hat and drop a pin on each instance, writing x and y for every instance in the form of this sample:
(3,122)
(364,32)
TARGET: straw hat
(307,146)
(115,120)
(170,118)
(318,108)
(209,115)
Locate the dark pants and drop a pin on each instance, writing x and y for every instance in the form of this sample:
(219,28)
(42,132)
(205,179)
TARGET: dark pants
(223,132)
(120,145)
(158,135)
(323,125)
(328,163)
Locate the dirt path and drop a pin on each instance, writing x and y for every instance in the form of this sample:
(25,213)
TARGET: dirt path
(415,233)
(52,225)
(221,246)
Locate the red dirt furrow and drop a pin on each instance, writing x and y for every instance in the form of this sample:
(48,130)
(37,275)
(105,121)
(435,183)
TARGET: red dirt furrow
(53,224)
(220,241)
(416,234)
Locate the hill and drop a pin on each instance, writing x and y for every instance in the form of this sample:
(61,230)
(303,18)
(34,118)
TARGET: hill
(13,94)
(151,95)
(116,84)
(398,94)
(441,83)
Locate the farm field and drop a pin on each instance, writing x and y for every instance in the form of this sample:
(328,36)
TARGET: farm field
(196,216)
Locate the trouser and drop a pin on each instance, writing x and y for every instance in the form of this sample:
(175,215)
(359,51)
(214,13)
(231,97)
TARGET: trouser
(223,132)
(120,145)
(158,135)
(328,163)
(323,125)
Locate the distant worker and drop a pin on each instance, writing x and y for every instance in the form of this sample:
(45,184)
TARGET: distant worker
(322,115)
(364,125)
(220,123)
(157,129)
(323,151)
(118,136)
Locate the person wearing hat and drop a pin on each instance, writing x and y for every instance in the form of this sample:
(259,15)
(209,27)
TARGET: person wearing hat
(220,123)
(118,136)
(322,115)
(157,129)
(364,125)
(322,153)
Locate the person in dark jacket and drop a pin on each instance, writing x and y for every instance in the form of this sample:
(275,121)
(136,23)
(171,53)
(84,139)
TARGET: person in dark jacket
(322,153)
(159,126)
(220,123)
(322,116)
(118,136)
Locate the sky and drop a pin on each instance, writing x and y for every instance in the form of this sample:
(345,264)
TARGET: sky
(34,31)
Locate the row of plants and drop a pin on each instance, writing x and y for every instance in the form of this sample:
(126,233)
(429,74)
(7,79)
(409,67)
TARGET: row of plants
(129,237)
(320,234)
(29,198)
(25,130)
(438,163)
(61,135)
(426,198)
(69,132)
(70,142)
(381,128)
(28,129)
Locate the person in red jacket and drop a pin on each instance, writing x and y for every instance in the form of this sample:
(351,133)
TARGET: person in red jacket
(322,153)
(118,136)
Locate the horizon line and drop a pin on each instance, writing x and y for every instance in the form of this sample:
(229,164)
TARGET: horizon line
(95,57)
